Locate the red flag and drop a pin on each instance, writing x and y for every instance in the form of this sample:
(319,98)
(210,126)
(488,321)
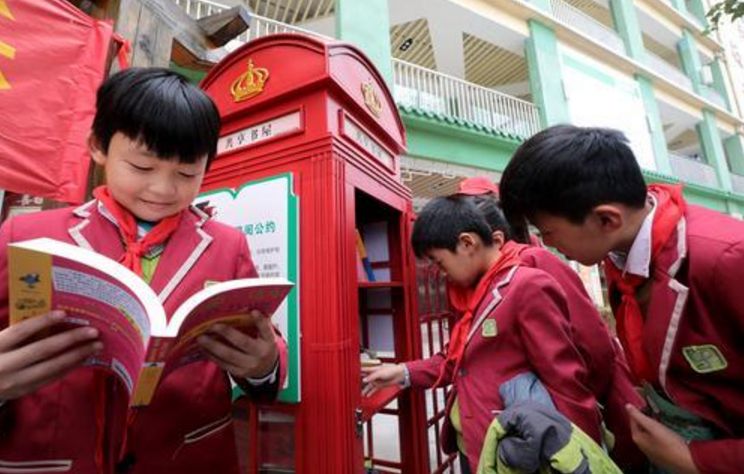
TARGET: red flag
(52,59)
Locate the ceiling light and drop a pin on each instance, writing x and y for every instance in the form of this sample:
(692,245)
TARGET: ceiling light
(406,44)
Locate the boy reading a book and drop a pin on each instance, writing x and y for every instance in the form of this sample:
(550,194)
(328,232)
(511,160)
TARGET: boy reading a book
(154,134)
(674,274)
(514,340)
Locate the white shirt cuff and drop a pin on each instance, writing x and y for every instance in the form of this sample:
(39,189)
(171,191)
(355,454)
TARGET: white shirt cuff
(406,377)
(269,378)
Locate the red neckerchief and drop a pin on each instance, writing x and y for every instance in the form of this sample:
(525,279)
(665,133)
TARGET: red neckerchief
(458,297)
(134,249)
(670,207)
(458,336)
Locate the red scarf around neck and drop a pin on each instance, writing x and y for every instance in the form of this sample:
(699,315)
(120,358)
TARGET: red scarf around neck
(134,249)
(458,336)
(670,207)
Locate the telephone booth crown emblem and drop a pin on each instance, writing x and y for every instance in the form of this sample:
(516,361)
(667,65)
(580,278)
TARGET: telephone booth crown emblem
(371,99)
(250,83)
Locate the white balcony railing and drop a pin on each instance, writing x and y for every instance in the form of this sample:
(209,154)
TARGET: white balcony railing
(693,171)
(259,26)
(414,86)
(667,71)
(737,183)
(447,96)
(198,9)
(572,16)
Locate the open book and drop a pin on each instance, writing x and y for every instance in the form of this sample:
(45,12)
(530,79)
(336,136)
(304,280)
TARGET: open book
(141,344)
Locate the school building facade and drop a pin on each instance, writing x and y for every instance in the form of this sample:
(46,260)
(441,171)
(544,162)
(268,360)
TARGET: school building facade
(473,78)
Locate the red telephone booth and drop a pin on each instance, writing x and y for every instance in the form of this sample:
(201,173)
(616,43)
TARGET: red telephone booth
(319,115)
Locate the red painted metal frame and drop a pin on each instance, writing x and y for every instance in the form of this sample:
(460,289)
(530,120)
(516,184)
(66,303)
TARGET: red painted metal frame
(330,173)
(435,318)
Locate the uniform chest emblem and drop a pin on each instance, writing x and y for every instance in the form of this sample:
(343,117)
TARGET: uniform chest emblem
(705,358)
(489,328)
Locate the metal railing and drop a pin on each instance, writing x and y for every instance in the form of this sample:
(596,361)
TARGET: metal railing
(259,26)
(198,9)
(668,71)
(417,87)
(737,183)
(447,96)
(693,171)
(575,18)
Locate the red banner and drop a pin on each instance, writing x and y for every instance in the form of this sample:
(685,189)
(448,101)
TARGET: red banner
(52,59)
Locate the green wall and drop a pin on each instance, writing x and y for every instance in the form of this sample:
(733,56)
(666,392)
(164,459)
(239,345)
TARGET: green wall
(544,68)
(366,24)
(435,140)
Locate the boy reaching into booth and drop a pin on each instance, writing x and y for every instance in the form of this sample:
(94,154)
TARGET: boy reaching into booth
(607,372)
(154,134)
(674,274)
(513,342)
(609,378)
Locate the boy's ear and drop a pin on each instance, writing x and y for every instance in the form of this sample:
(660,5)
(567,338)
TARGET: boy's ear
(96,151)
(467,239)
(498,238)
(609,217)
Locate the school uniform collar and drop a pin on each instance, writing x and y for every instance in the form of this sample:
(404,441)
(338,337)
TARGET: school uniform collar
(495,299)
(185,247)
(142,230)
(638,259)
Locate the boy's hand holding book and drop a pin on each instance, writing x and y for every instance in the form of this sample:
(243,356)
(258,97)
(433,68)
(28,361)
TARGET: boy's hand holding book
(239,353)
(28,362)
(141,343)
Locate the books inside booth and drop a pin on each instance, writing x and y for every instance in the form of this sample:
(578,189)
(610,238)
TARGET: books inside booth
(381,315)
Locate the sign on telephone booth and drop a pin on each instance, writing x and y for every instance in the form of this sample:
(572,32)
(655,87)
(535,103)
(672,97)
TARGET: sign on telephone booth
(309,150)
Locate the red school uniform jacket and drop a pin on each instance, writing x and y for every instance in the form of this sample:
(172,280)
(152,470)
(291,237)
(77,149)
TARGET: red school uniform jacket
(609,377)
(591,336)
(520,327)
(187,427)
(693,331)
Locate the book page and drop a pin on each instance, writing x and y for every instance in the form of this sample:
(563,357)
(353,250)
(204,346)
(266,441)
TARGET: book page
(46,275)
(96,300)
(227,303)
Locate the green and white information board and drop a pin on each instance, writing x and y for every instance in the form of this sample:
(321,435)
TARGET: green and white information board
(266,211)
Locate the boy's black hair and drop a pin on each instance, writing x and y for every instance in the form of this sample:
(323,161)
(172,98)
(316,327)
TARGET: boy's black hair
(488,205)
(162,110)
(566,171)
(441,222)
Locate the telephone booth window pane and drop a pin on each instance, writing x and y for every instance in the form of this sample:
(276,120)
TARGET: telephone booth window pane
(276,450)
(381,446)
